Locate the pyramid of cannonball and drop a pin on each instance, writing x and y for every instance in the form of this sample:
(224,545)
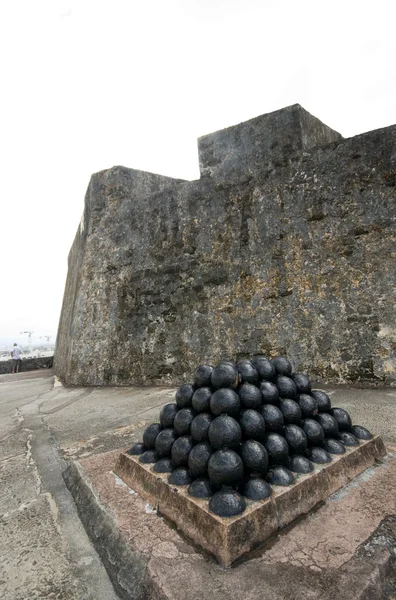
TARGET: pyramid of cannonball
(241,428)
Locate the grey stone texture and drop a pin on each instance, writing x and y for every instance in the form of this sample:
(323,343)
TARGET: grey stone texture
(28,364)
(285,245)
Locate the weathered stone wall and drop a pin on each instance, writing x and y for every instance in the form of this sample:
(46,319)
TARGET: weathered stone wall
(28,364)
(285,245)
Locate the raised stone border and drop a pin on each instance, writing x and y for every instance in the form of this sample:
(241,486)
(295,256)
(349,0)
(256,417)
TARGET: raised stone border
(230,538)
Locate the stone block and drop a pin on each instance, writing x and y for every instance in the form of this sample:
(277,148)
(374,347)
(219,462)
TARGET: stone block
(230,538)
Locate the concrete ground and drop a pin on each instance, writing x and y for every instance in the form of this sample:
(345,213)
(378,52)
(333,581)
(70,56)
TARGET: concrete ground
(45,552)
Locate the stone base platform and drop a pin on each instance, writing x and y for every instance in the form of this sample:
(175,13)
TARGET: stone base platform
(342,549)
(230,538)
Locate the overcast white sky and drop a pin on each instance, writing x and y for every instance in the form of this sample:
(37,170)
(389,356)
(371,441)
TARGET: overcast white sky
(88,84)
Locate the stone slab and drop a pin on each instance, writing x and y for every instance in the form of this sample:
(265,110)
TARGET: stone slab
(230,538)
(346,543)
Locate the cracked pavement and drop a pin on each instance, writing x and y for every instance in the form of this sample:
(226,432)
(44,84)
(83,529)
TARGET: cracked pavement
(45,552)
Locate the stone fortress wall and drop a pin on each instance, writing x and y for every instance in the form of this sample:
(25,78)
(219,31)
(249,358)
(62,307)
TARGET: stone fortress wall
(285,245)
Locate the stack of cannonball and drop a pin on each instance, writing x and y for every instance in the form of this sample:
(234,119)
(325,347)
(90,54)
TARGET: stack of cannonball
(242,427)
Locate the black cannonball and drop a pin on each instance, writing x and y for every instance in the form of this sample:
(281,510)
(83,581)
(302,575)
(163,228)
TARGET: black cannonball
(264,367)
(200,488)
(183,420)
(181,449)
(269,393)
(318,455)
(201,399)
(227,361)
(256,488)
(203,375)
(148,457)
(164,442)
(255,457)
(226,401)
(314,431)
(247,372)
(252,424)
(224,375)
(200,427)
(296,438)
(291,411)
(277,448)
(225,467)
(280,476)
(286,387)
(361,433)
(250,396)
(328,423)
(333,446)
(198,459)
(180,476)
(348,439)
(308,405)
(322,399)
(273,417)
(300,464)
(137,448)
(302,382)
(225,432)
(184,395)
(164,465)
(343,418)
(167,414)
(150,435)
(282,366)
(227,503)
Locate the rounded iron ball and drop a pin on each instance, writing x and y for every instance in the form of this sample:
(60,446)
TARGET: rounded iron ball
(150,435)
(179,476)
(269,393)
(255,457)
(343,418)
(227,503)
(164,442)
(302,382)
(291,411)
(296,438)
(256,488)
(198,459)
(264,367)
(286,387)
(252,424)
(247,372)
(201,399)
(322,399)
(314,431)
(277,448)
(136,449)
(181,449)
(225,467)
(167,415)
(203,375)
(361,433)
(200,488)
(273,417)
(224,375)
(183,420)
(282,366)
(250,396)
(225,401)
(225,431)
(200,427)
(184,395)
(308,405)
